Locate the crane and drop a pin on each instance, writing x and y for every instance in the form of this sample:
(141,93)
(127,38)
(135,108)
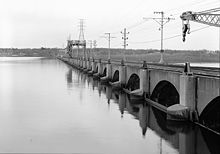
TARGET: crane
(209,17)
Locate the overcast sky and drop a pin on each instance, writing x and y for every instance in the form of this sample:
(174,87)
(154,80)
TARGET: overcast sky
(48,23)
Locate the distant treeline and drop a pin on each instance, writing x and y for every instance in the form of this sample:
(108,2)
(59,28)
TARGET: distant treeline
(149,55)
(153,55)
(30,52)
(147,51)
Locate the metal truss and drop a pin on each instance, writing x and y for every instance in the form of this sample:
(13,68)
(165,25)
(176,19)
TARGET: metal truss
(204,17)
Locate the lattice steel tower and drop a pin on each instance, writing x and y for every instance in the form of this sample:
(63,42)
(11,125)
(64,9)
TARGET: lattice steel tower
(81,30)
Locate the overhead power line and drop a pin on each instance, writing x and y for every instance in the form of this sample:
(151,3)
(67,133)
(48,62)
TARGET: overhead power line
(167,38)
(210,10)
(192,4)
(136,25)
(176,13)
(203,3)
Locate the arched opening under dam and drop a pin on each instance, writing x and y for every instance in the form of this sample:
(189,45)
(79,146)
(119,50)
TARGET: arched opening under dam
(210,116)
(96,70)
(117,96)
(104,72)
(165,93)
(115,76)
(133,82)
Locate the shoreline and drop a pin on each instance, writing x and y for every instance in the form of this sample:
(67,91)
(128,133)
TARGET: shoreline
(148,55)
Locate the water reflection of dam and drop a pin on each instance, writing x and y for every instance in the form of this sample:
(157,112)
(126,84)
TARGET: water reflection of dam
(187,138)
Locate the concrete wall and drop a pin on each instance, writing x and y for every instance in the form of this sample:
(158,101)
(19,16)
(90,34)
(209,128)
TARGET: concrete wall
(132,70)
(114,69)
(93,65)
(103,66)
(207,90)
(89,66)
(158,75)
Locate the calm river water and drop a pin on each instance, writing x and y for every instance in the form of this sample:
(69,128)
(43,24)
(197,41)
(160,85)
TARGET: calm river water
(48,107)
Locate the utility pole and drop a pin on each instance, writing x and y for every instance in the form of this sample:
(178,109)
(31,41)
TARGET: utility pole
(125,33)
(90,50)
(109,44)
(161,21)
(94,46)
(161,36)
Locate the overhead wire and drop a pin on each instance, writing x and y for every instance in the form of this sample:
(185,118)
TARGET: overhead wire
(126,15)
(201,3)
(131,26)
(140,23)
(195,3)
(132,10)
(210,10)
(189,4)
(167,38)
(137,24)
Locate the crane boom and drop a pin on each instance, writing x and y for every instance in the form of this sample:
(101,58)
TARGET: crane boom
(208,17)
(204,18)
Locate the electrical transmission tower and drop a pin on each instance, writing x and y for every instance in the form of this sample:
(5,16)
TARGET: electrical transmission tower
(161,21)
(78,43)
(82,41)
(81,29)
(124,33)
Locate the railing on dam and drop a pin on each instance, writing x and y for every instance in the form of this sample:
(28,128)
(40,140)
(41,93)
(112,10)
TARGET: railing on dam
(197,70)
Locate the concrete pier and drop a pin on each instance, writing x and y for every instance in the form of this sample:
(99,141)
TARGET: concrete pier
(93,64)
(122,75)
(109,70)
(187,94)
(108,73)
(144,80)
(97,75)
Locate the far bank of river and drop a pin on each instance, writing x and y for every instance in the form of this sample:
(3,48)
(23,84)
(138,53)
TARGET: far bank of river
(205,64)
(148,55)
